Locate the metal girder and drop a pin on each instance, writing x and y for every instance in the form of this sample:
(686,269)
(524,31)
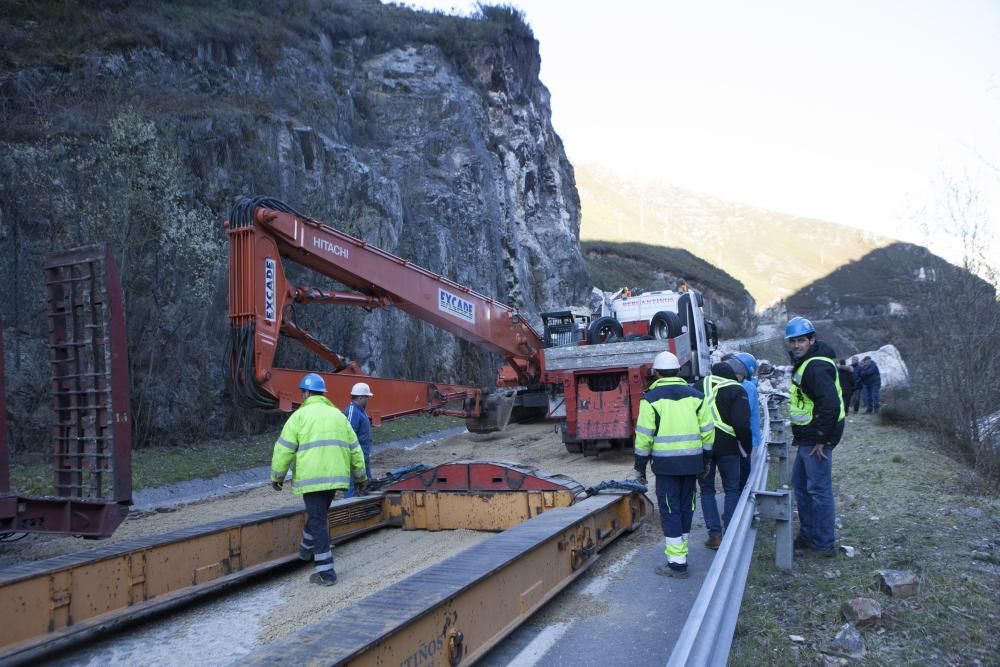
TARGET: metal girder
(52,604)
(454,612)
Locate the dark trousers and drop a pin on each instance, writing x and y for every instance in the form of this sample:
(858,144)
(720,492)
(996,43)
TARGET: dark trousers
(812,479)
(351,488)
(854,401)
(675,497)
(745,469)
(871,397)
(316,535)
(729,469)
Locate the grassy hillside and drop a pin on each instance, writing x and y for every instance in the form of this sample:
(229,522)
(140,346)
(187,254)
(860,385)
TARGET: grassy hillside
(896,273)
(614,265)
(773,254)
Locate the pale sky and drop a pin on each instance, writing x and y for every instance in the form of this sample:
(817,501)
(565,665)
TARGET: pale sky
(847,111)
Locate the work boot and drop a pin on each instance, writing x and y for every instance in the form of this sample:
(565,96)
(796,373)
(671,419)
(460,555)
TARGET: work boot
(667,571)
(802,543)
(327,578)
(713,541)
(826,553)
(305,554)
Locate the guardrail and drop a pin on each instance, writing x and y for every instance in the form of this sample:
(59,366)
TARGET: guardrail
(708,633)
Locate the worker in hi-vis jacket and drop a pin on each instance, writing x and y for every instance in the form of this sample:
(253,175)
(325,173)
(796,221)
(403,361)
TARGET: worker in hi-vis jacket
(676,431)
(326,453)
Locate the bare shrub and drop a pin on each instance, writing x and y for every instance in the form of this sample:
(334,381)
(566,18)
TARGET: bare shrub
(958,317)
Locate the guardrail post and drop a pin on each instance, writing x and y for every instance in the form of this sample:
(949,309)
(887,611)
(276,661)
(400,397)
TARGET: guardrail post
(777,505)
(779,451)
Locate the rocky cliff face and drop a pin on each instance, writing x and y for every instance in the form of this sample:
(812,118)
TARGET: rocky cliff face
(388,124)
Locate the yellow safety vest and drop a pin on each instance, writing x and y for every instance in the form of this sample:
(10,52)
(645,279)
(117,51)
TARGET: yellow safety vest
(673,429)
(801,409)
(713,383)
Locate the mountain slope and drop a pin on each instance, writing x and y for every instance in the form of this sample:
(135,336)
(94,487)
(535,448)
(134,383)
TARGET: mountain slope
(887,281)
(773,254)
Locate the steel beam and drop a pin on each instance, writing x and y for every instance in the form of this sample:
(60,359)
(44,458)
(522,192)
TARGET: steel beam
(454,612)
(51,604)
(55,602)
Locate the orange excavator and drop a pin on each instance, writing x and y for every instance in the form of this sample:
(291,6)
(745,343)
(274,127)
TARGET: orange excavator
(595,391)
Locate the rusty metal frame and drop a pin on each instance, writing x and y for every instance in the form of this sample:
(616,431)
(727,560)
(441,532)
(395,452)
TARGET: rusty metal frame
(92,439)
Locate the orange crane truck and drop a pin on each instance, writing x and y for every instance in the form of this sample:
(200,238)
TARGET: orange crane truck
(580,371)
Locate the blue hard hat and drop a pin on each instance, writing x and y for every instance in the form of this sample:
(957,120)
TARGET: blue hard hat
(798,326)
(313,382)
(749,361)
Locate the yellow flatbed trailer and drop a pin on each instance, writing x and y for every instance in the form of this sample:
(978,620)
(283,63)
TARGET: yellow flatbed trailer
(450,613)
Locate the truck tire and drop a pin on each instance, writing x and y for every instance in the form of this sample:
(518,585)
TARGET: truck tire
(665,325)
(604,330)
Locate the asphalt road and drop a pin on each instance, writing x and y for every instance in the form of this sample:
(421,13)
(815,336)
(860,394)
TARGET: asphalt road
(620,612)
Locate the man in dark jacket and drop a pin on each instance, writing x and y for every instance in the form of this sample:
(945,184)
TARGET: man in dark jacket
(857,395)
(817,415)
(871,383)
(846,375)
(733,441)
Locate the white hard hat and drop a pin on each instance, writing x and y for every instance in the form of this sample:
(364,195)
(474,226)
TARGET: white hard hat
(361,389)
(666,361)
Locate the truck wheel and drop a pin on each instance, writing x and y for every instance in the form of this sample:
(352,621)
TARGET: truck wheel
(665,325)
(574,447)
(604,329)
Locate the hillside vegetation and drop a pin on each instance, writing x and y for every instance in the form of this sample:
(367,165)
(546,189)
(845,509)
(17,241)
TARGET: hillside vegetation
(773,254)
(898,273)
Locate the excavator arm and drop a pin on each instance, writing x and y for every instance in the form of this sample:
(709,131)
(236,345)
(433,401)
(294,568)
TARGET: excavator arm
(264,233)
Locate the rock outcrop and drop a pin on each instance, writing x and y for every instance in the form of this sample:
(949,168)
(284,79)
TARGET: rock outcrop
(426,135)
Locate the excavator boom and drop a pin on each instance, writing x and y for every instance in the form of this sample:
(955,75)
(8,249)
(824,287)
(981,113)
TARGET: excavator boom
(265,232)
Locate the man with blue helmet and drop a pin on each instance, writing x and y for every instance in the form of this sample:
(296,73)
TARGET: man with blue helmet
(325,451)
(817,416)
(748,379)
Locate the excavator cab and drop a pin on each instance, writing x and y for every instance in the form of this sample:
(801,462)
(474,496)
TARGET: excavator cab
(565,327)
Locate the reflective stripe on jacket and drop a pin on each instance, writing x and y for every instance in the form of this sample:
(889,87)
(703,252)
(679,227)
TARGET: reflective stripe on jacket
(323,446)
(712,384)
(674,427)
(802,409)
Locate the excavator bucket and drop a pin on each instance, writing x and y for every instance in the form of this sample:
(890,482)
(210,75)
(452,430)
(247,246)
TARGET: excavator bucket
(495,414)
